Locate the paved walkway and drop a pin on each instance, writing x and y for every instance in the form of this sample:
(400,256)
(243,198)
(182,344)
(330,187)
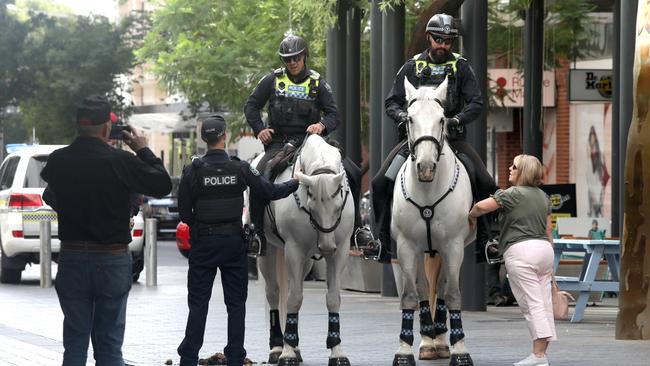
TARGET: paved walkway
(30,328)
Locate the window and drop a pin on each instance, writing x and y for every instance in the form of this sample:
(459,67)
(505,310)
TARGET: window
(8,171)
(33,175)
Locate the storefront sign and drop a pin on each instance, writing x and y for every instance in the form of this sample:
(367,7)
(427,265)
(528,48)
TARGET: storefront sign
(590,85)
(507,88)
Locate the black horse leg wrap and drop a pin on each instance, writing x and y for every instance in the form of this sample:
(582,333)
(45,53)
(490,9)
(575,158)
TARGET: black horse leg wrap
(406,334)
(426,324)
(291,330)
(440,320)
(456,323)
(275,340)
(333,330)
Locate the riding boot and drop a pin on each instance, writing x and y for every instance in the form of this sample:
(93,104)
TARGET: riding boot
(257,219)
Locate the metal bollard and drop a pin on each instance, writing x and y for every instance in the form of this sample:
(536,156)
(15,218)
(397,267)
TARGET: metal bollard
(46,254)
(151,251)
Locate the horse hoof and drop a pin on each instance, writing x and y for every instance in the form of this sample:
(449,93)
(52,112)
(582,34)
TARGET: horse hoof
(404,360)
(461,359)
(442,352)
(428,353)
(274,356)
(288,361)
(338,361)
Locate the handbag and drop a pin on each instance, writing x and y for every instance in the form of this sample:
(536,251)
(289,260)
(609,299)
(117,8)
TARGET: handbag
(560,302)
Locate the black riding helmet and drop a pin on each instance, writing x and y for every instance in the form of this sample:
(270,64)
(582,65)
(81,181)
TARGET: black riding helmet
(442,25)
(293,45)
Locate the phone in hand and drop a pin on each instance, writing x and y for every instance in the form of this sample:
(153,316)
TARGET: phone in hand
(116,132)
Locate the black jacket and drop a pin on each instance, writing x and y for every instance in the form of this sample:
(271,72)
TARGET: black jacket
(91,186)
(468,87)
(188,188)
(264,91)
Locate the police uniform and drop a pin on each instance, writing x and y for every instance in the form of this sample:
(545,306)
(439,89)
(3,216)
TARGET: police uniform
(210,201)
(464,102)
(295,102)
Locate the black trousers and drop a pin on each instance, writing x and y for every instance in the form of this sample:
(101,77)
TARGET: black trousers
(226,253)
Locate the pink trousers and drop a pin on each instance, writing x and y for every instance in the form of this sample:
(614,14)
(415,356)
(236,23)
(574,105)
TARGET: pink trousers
(530,269)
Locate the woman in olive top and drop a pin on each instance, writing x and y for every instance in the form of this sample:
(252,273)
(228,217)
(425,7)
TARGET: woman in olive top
(526,245)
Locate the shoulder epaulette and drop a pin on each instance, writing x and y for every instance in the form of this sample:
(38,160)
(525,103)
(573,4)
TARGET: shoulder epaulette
(314,74)
(278,71)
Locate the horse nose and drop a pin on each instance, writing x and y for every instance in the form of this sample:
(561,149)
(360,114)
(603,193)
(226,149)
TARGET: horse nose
(327,244)
(426,170)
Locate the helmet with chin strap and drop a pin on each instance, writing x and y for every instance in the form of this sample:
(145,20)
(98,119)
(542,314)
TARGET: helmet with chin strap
(293,45)
(442,25)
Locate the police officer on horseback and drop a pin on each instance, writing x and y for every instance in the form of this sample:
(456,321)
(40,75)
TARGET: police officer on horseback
(300,102)
(210,201)
(464,104)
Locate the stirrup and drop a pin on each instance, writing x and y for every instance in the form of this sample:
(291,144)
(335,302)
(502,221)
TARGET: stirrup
(253,241)
(366,243)
(492,252)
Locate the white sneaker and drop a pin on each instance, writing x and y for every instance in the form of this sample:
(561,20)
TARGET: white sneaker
(533,360)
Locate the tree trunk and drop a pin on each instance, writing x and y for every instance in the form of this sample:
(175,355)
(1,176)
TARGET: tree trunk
(634,299)
(418,41)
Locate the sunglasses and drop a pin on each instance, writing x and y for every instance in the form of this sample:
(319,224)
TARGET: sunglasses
(441,40)
(295,58)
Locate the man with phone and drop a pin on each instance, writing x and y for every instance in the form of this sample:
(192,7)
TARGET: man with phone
(90,186)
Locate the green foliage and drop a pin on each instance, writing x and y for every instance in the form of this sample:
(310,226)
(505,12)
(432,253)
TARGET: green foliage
(566,30)
(58,60)
(214,53)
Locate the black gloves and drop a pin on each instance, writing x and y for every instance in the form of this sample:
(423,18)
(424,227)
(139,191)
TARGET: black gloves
(402,120)
(452,123)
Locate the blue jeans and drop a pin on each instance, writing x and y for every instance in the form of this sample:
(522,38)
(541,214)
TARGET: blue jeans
(226,253)
(93,289)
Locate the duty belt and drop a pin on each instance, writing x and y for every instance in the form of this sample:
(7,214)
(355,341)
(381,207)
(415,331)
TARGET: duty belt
(93,247)
(230,228)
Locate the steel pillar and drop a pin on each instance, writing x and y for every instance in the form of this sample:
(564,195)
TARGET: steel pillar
(533,71)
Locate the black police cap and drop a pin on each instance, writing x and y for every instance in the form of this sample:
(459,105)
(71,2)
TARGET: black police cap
(213,126)
(94,110)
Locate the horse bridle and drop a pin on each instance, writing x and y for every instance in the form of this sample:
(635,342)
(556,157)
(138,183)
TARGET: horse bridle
(312,220)
(438,142)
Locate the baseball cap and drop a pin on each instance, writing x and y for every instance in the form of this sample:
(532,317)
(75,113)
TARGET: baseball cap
(94,110)
(214,126)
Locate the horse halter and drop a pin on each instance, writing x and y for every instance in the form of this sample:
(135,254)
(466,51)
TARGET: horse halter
(438,142)
(312,220)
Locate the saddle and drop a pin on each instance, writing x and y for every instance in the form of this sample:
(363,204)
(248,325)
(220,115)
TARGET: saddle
(280,161)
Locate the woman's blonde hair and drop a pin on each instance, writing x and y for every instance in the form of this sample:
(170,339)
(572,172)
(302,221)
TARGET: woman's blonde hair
(530,171)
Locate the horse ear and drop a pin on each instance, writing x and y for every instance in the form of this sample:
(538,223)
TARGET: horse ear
(338,179)
(305,179)
(441,90)
(409,89)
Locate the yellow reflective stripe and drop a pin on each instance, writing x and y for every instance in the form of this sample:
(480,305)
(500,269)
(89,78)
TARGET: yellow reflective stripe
(40,216)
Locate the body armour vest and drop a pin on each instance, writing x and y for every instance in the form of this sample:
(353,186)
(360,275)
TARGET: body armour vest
(430,74)
(292,107)
(221,186)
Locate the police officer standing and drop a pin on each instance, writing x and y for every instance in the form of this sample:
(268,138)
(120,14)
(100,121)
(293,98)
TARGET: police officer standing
(463,105)
(210,201)
(300,102)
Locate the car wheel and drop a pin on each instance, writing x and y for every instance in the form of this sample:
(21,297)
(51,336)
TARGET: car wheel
(138,266)
(9,275)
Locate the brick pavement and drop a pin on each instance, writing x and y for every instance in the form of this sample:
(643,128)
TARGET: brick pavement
(30,327)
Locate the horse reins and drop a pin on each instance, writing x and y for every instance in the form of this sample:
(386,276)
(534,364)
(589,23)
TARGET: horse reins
(438,142)
(427,211)
(312,220)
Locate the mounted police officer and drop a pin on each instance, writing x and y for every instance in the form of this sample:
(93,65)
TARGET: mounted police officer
(300,102)
(464,104)
(210,201)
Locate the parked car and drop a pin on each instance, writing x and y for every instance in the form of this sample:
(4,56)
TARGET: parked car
(164,210)
(22,208)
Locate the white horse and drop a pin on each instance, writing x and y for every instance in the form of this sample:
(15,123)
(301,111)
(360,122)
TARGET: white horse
(431,200)
(317,220)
